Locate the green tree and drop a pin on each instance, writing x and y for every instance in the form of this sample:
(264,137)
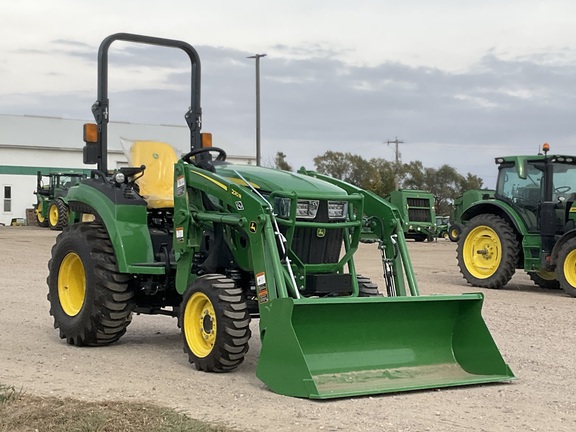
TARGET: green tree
(334,164)
(375,175)
(280,162)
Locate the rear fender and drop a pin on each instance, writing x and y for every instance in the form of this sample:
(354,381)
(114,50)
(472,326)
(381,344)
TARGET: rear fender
(497,208)
(126,224)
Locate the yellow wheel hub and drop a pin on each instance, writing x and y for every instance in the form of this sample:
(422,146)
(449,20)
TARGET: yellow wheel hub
(71,284)
(482,252)
(569,268)
(53,215)
(200,324)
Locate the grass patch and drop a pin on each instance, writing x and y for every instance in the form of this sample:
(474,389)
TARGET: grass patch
(24,413)
(9,393)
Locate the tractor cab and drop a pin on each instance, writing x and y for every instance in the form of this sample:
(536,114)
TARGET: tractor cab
(526,182)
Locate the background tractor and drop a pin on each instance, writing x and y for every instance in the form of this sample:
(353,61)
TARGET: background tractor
(216,244)
(528,223)
(51,203)
(417,212)
(442,225)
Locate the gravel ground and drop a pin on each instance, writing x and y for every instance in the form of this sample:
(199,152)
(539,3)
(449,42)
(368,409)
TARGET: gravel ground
(535,330)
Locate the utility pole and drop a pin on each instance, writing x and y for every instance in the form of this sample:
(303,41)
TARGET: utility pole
(258,153)
(397,163)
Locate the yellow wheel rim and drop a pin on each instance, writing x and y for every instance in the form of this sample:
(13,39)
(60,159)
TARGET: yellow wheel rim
(570,268)
(200,324)
(454,232)
(53,215)
(71,284)
(39,208)
(482,252)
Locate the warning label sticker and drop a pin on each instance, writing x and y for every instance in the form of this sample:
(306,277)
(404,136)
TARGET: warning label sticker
(261,287)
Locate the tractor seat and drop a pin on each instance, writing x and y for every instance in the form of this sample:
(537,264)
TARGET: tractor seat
(157,183)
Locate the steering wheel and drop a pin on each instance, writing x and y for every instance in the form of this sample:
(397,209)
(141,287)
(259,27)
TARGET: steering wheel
(221,153)
(562,189)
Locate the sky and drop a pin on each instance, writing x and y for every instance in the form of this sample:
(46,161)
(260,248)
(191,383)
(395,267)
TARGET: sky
(459,82)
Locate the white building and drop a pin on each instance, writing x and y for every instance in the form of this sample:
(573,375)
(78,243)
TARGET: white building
(29,144)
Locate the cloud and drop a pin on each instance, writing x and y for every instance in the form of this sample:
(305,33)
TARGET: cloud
(312,102)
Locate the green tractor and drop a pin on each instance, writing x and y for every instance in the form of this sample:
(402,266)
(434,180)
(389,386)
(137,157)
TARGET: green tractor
(442,225)
(216,245)
(51,203)
(417,211)
(528,223)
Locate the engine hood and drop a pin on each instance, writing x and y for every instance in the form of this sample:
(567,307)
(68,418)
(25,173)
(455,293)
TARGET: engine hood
(270,179)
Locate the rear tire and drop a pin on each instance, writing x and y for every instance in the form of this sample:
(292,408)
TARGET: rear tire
(545,280)
(215,323)
(566,267)
(58,215)
(487,251)
(90,300)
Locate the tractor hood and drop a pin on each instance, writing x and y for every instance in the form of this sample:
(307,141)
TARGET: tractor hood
(269,179)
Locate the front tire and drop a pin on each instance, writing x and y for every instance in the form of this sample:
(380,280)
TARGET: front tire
(91,302)
(566,267)
(545,279)
(454,232)
(215,323)
(42,221)
(367,288)
(487,251)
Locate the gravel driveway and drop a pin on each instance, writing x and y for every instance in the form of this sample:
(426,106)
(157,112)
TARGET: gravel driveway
(535,330)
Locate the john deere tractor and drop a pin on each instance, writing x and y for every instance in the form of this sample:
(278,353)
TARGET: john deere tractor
(527,223)
(215,245)
(52,205)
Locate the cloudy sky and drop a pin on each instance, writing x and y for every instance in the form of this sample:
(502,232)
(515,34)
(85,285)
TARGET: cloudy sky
(458,81)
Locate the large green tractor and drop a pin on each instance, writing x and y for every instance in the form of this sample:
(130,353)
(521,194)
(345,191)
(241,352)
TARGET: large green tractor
(216,244)
(528,223)
(51,202)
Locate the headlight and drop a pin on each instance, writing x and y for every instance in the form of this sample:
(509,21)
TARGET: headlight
(307,209)
(337,209)
(119,178)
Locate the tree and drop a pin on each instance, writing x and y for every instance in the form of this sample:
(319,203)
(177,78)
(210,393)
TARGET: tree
(334,164)
(469,182)
(375,175)
(280,162)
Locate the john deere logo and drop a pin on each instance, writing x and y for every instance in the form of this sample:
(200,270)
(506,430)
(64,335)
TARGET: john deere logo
(320,232)
(252,227)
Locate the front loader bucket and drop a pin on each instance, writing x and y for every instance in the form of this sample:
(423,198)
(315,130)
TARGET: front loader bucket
(349,346)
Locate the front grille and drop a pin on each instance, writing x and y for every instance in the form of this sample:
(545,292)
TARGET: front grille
(419,215)
(418,202)
(419,209)
(314,246)
(312,249)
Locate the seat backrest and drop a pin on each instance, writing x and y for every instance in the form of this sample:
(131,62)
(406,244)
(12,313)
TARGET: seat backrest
(157,183)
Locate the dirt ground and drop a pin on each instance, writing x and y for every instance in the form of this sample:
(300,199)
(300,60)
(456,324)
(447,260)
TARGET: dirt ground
(535,330)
